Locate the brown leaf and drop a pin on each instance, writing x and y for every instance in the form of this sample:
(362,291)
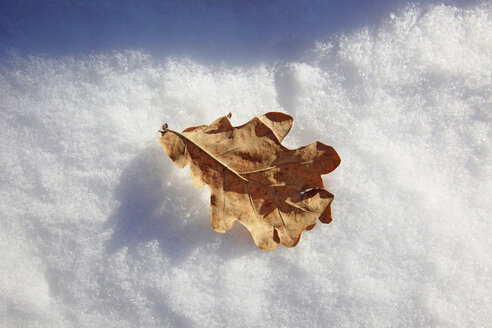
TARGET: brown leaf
(275,192)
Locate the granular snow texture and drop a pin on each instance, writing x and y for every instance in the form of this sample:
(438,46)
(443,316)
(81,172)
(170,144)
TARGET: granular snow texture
(99,229)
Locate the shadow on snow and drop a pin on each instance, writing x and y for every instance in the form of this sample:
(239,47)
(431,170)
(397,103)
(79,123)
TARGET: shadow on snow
(157,203)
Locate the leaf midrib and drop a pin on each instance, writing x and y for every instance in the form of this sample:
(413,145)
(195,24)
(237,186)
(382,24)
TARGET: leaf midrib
(239,174)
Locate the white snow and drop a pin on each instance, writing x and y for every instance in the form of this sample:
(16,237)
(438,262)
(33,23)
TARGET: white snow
(99,229)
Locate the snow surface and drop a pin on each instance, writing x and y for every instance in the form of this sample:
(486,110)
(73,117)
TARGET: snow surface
(99,229)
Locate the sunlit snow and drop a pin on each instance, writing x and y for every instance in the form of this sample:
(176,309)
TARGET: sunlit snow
(99,229)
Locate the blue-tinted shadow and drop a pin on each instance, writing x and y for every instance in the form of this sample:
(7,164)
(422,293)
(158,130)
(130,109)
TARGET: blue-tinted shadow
(217,31)
(155,205)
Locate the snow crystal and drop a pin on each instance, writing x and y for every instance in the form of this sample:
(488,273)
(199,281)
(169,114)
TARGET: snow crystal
(98,228)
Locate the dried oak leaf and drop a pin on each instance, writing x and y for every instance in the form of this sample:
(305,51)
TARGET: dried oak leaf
(275,192)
